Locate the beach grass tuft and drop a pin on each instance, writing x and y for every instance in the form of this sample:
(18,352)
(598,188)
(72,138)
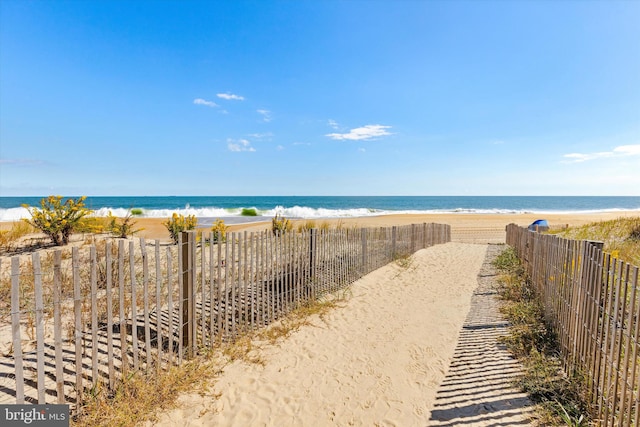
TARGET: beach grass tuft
(136,398)
(11,239)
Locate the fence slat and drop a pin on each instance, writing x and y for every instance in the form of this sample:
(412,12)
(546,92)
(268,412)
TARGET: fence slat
(158,309)
(626,370)
(145,303)
(109,290)
(57,326)
(211,296)
(193,289)
(94,316)
(122,332)
(170,305)
(134,304)
(219,289)
(203,281)
(37,280)
(182,301)
(77,312)
(15,329)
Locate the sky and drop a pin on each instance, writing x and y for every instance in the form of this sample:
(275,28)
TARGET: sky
(319,97)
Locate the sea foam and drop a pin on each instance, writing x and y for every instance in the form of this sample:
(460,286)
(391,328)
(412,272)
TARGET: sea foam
(302,212)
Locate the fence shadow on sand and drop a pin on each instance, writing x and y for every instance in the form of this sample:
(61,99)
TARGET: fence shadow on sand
(478,388)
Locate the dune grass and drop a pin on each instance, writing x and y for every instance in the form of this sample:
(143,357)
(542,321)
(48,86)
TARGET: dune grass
(10,239)
(621,237)
(138,396)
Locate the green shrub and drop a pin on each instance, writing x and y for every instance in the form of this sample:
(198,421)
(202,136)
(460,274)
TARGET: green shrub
(219,230)
(280,225)
(179,223)
(249,212)
(136,212)
(58,219)
(122,227)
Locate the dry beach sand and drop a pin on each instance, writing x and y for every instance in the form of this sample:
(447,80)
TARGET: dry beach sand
(464,224)
(377,360)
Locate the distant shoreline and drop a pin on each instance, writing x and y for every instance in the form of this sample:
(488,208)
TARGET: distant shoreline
(231,209)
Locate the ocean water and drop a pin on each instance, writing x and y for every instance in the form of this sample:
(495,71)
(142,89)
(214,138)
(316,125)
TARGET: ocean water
(317,207)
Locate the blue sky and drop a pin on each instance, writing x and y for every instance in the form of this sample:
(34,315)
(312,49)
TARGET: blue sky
(319,97)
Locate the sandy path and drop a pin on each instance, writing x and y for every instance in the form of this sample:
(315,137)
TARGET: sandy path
(478,389)
(376,361)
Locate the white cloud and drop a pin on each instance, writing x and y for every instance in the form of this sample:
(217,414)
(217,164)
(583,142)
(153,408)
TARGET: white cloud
(628,150)
(200,101)
(239,145)
(266,114)
(620,151)
(279,148)
(365,132)
(230,97)
(333,124)
(262,136)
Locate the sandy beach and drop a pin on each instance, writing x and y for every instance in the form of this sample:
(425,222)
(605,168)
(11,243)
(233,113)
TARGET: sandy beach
(462,223)
(153,228)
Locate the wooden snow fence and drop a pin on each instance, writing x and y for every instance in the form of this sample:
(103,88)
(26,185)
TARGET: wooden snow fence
(73,318)
(592,301)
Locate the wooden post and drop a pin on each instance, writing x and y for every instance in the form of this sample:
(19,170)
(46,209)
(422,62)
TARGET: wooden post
(187,294)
